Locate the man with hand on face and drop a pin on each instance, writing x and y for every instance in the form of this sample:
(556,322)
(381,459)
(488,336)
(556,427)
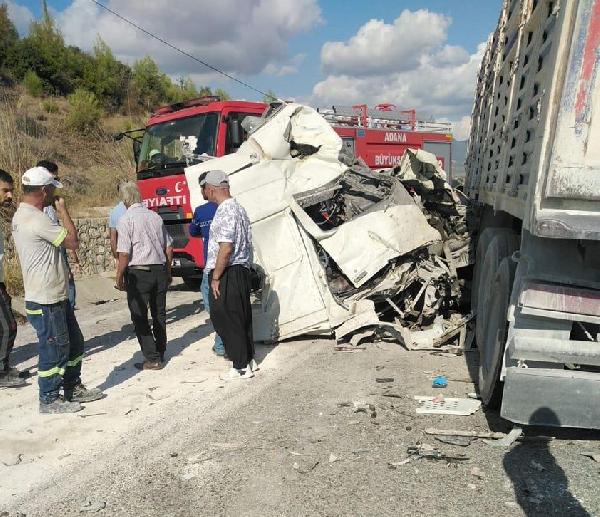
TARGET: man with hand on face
(9,377)
(38,241)
(50,211)
(228,264)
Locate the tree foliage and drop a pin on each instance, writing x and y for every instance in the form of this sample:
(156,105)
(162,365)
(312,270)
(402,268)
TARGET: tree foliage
(62,70)
(85,111)
(8,33)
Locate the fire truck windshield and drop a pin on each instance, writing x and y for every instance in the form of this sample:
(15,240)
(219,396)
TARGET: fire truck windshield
(178,142)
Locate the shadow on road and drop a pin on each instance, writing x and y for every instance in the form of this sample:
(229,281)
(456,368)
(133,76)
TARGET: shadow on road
(541,486)
(108,340)
(127,370)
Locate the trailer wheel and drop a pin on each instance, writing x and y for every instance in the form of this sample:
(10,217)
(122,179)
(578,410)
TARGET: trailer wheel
(483,243)
(502,244)
(491,348)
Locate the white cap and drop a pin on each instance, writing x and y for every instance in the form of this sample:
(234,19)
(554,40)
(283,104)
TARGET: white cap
(215,178)
(39,177)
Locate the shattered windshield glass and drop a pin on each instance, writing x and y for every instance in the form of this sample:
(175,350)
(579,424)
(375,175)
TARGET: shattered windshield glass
(168,143)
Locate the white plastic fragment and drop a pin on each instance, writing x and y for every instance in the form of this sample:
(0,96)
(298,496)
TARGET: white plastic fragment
(446,406)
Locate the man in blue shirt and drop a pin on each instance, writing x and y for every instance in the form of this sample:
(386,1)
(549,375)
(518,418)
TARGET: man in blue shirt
(200,227)
(115,214)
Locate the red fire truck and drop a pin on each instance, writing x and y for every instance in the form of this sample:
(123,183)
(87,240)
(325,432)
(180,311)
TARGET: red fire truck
(189,131)
(381,135)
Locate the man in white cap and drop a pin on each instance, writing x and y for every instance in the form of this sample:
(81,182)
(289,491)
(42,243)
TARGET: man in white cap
(228,263)
(38,241)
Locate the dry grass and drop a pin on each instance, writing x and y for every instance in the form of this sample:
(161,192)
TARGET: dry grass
(90,166)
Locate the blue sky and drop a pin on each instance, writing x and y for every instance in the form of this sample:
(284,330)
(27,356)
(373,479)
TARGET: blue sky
(290,46)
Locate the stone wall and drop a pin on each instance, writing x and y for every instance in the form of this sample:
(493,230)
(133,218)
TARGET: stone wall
(94,245)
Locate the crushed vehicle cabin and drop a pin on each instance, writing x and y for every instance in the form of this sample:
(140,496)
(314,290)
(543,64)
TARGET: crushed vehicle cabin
(339,248)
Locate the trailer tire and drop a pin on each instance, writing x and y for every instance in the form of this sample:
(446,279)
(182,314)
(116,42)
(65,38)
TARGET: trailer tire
(502,244)
(483,243)
(491,349)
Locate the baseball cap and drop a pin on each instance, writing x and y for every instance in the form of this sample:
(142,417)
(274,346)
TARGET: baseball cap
(39,177)
(215,178)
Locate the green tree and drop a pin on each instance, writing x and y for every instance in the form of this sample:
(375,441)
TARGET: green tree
(152,85)
(106,77)
(84,111)
(8,33)
(269,97)
(222,94)
(184,90)
(33,84)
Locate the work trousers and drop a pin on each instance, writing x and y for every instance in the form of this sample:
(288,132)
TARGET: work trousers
(231,314)
(60,344)
(8,328)
(148,288)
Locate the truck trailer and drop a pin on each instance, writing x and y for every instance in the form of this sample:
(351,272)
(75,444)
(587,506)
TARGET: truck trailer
(533,174)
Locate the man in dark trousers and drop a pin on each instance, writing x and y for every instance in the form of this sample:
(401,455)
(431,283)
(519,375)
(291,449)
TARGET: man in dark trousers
(9,377)
(228,264)
(200,227)
(144,270)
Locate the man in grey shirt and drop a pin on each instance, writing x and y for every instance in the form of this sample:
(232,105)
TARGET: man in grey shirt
(228,263)
(38,241)
(145,252)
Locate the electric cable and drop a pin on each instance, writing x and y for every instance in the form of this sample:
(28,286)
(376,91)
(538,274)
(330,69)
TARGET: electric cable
(170,45)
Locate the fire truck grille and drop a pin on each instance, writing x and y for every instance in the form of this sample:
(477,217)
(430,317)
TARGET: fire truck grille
(179,234)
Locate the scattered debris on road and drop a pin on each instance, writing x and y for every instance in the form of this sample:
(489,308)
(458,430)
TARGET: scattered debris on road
(92,507)
(429,452)
(467,434)
(459,441)
(446,406)
(441,381)
(477,472)
(593,455)
(508,440)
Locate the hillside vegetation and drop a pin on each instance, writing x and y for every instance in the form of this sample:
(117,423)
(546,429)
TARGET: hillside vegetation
(60,103)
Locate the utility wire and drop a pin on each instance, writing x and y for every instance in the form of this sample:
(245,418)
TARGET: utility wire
(165,42)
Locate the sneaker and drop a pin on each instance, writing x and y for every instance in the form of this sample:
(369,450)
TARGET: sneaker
(60,406)
(82,394)
(232,375)
(248,373)
(253,365)
(7,380)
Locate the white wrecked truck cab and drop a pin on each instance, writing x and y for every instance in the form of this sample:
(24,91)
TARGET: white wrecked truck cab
(289,165)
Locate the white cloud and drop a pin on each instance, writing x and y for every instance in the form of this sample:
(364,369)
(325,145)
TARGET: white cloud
(238,37)
(433,77)
(379,47)
(289,68)
(20,15)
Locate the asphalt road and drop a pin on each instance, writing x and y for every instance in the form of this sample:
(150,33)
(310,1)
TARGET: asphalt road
(180,442)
